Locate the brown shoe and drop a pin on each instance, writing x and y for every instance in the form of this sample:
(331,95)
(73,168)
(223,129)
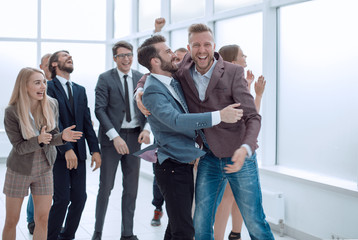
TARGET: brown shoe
(157,216)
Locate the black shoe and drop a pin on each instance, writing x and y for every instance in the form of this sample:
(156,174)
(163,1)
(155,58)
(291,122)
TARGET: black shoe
(234,236)
(133,237)
(31,227)
(97,236)
(158,213)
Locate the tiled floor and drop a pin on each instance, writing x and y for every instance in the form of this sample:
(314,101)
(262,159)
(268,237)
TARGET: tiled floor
(143,214)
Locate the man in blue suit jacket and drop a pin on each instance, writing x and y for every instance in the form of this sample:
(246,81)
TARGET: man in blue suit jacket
(175,131)
(69,171)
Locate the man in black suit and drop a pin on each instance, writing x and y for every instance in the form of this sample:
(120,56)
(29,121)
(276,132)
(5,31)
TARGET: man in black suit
(121,132)
(69,171)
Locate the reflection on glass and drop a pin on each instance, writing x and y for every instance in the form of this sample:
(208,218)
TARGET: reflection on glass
(179,39)
(223,5)
(122,18)
(182,10)
(14,56)
(88,62)
(18,18)
(80,19)
(317,120)
(148,12)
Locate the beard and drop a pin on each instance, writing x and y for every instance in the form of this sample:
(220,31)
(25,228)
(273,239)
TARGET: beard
(63,67)
(168,66)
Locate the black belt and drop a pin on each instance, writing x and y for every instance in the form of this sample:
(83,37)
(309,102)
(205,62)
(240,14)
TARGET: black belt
(130,130)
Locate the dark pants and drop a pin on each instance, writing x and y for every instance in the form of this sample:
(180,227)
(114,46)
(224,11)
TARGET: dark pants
(69,197)
(158,199)
(130,165)
(176,182)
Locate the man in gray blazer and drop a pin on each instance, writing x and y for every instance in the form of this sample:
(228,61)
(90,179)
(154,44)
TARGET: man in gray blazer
(121,132)
(175,131)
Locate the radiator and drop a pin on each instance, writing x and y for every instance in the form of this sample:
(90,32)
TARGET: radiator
(274,207)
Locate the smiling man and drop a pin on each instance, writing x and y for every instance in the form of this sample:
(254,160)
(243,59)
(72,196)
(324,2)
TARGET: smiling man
(69,171)
(121,132)
(209,83)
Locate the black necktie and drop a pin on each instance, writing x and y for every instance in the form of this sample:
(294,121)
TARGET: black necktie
(126,98)
(70,97)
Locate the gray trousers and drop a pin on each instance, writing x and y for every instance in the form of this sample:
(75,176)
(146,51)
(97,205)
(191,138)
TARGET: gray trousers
(130,169)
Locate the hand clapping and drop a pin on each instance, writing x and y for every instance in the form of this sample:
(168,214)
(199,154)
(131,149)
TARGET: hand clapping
(71,136)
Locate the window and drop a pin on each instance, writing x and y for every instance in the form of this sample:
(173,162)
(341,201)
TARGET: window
(182,10)
(317,120)
(80,20)
(179,39)
(148,12)
(18,18)
(223,5)
(122,18)
(14,56)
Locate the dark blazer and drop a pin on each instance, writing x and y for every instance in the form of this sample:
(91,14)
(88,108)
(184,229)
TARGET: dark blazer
(227,86)
(81,117)
(22,153)
(173,129)
(110,105)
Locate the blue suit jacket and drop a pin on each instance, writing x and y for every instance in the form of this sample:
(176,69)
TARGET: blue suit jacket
(173,129)
(81,117)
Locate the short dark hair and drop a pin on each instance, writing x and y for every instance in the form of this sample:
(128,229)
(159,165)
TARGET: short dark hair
(123,44)
(54,58)
(147,51)
(229,52)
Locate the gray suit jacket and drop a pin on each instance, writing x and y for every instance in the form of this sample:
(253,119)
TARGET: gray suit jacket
(22,153)
(110,105)
(173,129)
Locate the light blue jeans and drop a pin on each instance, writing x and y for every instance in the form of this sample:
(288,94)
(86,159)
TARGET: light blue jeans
(210,185)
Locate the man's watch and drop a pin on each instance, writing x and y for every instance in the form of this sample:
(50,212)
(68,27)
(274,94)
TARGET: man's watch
(41,144)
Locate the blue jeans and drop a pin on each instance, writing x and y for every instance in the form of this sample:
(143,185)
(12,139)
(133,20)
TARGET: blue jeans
(30,209)
(210,185)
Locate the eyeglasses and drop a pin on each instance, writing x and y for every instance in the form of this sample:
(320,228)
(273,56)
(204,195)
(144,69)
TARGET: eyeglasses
(123,55)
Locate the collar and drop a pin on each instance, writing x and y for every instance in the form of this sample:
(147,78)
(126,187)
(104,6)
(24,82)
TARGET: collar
(164,79)
(63,81)
(121,74)
(208,73)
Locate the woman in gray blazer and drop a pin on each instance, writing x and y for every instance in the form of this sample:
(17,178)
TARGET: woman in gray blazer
(30,124)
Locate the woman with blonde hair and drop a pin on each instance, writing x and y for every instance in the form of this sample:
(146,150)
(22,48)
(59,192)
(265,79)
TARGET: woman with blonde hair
(234,54)
(31,126)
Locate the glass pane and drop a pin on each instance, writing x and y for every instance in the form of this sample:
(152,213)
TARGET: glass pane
(249,37)
(223,5)
(179,39)
(148,12)
(180,11)
(317,120)
(122,18)
(89,63)
(18,21)
(13,57)
(80,19)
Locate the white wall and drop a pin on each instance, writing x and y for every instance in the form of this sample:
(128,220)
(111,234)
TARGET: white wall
(313,208)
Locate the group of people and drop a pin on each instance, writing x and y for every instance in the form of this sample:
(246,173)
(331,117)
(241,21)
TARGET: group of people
(197,107)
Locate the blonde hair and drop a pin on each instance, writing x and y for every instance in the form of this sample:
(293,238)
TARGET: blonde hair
(44,114)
